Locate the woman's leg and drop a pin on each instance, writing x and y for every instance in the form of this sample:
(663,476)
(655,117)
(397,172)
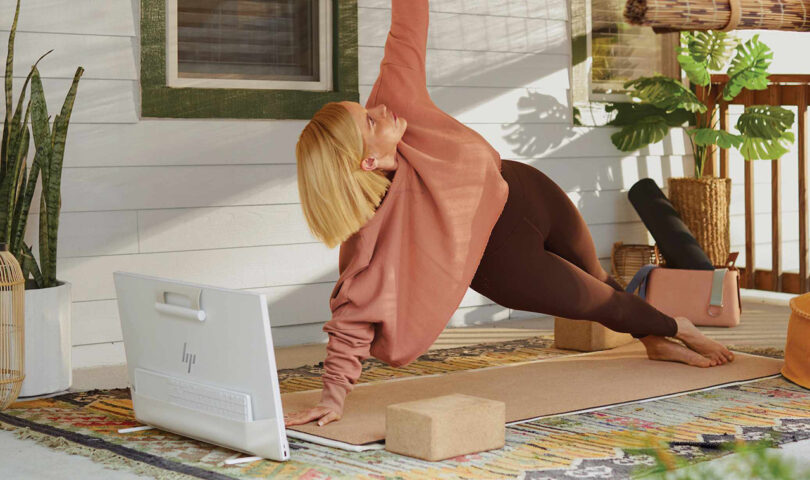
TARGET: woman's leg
(525,276)
(567,235)
(524,268)
(519,271)
(564,230)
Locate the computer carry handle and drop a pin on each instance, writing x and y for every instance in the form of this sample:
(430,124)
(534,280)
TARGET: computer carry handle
(194,312)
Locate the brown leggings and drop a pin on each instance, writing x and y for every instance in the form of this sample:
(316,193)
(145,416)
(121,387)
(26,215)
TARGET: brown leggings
(541,258)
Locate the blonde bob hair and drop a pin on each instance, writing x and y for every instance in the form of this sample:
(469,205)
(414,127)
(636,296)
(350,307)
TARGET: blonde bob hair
(337,196)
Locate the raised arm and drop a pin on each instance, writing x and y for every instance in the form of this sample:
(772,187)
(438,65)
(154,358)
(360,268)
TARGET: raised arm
(402,81)
(345,352)
(406,44)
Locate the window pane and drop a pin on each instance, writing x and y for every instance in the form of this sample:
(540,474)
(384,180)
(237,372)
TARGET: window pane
(248,39)
(620,51)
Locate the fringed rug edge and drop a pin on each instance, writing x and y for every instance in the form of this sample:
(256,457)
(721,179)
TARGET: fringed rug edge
(99,455)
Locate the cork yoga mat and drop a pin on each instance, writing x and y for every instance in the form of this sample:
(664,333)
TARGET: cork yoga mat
(532,389)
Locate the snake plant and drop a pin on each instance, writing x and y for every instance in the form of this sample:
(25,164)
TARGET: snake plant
(17,181)
(660,102)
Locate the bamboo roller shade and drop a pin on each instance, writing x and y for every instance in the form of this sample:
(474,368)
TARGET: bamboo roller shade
(725,15)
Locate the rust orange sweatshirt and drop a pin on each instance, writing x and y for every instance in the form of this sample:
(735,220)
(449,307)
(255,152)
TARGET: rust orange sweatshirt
(405,272)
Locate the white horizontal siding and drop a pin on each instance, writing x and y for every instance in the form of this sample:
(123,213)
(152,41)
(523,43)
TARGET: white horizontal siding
(167,142)
(463,31)
(103,57)
(445,67)
(503,8)
(97,101)
(81,17)
(248,267)
(128,188)
(216,200)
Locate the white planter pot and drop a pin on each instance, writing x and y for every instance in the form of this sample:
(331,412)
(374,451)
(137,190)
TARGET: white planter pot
(47,340)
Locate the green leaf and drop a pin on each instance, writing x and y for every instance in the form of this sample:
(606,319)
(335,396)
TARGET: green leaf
(23,206)
(704,51)
(15,175)
(40,123)
(43,233)
(666,93)
(756,148)
(31,266)
(648,130)
(765,121)
(9,182)
(630,113)
(15,125)
(711,47)
(42,140)
(696,71)
(10,60)
(749,68)
(710,136)
(53,187)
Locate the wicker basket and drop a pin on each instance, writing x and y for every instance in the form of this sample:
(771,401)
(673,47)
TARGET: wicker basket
(12,324)
(626,260)
(797,347)
(703,204)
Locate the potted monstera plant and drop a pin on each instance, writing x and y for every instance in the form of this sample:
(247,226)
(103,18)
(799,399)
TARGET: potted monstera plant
(47,360)
(659,103)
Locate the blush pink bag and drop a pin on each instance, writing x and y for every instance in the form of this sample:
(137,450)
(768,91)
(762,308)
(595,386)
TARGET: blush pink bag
(706,297)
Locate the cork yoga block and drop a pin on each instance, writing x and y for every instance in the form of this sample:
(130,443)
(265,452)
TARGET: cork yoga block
(586,336)
(443,427)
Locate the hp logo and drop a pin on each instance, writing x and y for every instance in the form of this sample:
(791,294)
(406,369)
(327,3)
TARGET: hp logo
(189,358)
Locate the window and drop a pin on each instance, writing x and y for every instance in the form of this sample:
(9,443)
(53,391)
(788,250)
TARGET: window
(249,43)
(607,52)
(246,58)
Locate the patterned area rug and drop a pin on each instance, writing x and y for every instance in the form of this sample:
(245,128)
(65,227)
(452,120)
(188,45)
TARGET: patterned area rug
(599,444)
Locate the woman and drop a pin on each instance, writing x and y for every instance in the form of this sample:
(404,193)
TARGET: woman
(423,208)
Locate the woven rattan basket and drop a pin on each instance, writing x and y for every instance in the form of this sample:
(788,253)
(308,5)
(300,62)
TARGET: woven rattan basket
(626,260)
(703,204)
(12,327)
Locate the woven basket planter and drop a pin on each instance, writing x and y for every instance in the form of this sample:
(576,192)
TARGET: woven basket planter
(703,204)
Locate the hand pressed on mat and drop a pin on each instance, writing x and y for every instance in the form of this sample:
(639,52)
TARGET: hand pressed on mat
(323,414)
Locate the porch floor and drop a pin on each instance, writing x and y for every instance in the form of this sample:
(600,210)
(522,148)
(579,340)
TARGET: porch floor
(762,325)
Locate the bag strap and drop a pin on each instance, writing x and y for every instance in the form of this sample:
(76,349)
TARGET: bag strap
(640,280)
(716,298)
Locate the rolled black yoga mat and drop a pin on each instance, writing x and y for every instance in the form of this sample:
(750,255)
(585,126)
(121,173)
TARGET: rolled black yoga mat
(676,243)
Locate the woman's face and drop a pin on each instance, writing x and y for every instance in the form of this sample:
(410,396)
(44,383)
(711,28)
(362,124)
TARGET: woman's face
(382,130)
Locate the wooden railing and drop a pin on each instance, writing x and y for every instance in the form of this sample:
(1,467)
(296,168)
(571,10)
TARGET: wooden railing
(784,90)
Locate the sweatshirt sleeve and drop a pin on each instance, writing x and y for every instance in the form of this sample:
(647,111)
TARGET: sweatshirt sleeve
(347,348)
(406,44)
(402,81)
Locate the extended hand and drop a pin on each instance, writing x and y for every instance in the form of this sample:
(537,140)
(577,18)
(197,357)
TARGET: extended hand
(299,417)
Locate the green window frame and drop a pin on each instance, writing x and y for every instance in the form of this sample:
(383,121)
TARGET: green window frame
(161,101)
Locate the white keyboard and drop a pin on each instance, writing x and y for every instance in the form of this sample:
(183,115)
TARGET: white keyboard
(196,396)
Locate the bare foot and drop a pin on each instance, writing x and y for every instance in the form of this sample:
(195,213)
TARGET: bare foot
(689,334)
(659,348)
